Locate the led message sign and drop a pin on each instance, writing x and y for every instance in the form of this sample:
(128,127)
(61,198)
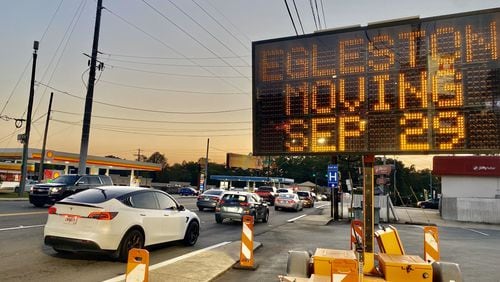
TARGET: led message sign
(409,87)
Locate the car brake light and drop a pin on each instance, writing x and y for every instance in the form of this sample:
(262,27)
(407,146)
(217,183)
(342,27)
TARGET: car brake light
(102,215)
(221,202)
(200,197)
(215,199)
(244,204)
(52,210)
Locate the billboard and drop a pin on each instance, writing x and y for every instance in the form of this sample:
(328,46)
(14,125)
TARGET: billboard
(243,161)
(415,86)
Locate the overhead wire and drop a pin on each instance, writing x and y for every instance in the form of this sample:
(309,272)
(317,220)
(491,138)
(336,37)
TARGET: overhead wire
(170,58)
(65,39)
(298,16)
(176,65)
(229,21)
(170,48)
(323,12)
(170,73)
(158,121)
(151,134)
(314,16)
(210,33)
(221,25)
(173,90)
(291,18)
(187,33)
(317,14)
(142,109)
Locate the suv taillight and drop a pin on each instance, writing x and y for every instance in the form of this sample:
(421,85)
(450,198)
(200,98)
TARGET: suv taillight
(102,215)
(244,204)
(52,210)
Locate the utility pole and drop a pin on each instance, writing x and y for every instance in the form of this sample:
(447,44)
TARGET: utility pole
(206,166)
(138,155)
(42,157)
(26,137)
(84,146)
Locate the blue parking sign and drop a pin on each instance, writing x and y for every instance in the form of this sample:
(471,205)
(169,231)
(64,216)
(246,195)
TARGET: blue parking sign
(333,175)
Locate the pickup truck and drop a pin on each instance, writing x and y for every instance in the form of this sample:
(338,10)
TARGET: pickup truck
(267,193)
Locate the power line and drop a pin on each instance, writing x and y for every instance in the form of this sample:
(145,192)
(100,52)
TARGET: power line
(187,33)
(156,129)
(169,47)
(229,21)
(317,14)
(67,35)
(146,88)
(153,134)
(158,121)
(221,25)
(291,18)
(323,11)
(171,58)
(146,110)
(174,65)
(207,31)
(173,90)
(298,16)
(314,15)
(171,74)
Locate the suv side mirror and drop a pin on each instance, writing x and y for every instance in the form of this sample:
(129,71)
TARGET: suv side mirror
(181,208)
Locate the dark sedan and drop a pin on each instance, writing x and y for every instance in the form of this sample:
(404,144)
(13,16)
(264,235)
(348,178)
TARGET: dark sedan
(188,191)
(209,199)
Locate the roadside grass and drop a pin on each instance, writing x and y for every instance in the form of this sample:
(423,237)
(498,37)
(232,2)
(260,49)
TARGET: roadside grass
(13,195)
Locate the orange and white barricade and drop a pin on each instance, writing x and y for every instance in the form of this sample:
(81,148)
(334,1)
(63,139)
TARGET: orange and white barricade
(431,244)
(246,251)
(137,266)
(356,233)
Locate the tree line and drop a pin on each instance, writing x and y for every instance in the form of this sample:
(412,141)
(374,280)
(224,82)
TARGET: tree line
(405,185)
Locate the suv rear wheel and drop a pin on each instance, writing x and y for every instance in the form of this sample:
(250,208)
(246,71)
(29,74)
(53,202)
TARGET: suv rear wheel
(132,239)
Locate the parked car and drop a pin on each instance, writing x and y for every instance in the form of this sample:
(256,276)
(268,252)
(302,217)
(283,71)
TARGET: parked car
(209,199)
(63,186)
(267,193)
(115,219)
(307,198)
(27,186)
(288,201)
(429,204)
(234,205)
(188,191)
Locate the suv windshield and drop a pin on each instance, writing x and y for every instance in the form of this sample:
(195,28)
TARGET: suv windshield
(66,179)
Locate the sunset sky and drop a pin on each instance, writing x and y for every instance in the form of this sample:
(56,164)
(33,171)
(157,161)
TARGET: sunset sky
(175,72)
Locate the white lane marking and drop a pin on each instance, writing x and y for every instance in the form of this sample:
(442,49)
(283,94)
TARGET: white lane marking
(22,213)
(477,231)
(319,207)
(294,219)
(170,261)
(21,227)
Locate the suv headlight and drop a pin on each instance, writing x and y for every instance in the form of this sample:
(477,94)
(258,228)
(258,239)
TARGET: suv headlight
(55,189)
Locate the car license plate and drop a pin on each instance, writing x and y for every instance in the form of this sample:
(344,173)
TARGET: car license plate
(207,198)
(232,209)
(70,219)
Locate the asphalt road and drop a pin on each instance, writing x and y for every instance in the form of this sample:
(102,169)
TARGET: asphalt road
(26,258)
